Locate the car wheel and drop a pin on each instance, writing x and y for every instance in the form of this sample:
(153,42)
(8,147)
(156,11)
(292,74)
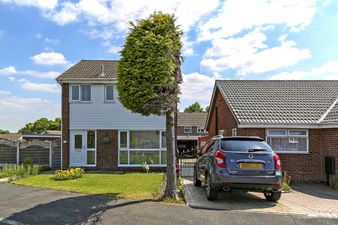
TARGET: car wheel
(273,196)
(210,192)
(197,182)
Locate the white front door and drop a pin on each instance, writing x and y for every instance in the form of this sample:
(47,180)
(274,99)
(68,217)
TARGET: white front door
(82,148)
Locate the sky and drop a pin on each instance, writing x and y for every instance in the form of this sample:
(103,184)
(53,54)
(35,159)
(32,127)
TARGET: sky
(231,39)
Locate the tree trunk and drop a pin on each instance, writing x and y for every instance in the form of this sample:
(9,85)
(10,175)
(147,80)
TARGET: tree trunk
(171,182)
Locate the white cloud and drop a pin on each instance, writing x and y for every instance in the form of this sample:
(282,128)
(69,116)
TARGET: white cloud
(197,87)
(328,71)
(236,16)
(120,12)
(49,58)
(45,87)
(42,4)
(11,70)
(250,54)
(13,111)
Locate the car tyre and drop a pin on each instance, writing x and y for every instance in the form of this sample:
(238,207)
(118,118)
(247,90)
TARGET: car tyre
(273,196)
(197,182)
(210,192)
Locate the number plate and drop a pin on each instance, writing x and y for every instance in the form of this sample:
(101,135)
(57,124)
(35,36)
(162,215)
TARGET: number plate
(255,166)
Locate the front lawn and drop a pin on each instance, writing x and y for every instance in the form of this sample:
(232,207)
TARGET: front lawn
(139,186)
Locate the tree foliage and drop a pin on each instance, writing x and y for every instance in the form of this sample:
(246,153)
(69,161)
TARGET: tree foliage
(149,69)
(149,74)
(195,107)
(4,131)
(41,125)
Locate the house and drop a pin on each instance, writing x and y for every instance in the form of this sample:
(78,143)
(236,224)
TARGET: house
(299,119)
(97,130)
(190,126)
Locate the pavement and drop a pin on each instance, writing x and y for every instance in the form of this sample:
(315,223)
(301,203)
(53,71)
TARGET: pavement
(21,205)
(312,200)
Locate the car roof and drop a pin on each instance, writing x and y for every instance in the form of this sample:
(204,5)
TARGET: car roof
(248,138)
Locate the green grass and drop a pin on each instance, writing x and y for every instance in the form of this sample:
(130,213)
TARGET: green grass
(140,186)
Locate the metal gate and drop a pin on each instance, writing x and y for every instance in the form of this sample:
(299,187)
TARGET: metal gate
(187,166)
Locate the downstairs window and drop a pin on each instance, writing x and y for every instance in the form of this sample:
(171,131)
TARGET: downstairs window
(288,141)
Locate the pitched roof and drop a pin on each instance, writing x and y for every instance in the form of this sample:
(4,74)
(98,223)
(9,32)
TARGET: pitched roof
(11,136)
(91,70)
(281,102)
(191,119)
(53,132)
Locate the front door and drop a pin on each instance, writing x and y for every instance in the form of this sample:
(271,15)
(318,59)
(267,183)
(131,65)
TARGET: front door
(82,148)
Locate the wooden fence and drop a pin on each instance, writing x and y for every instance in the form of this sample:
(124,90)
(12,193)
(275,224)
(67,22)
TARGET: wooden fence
(46,153)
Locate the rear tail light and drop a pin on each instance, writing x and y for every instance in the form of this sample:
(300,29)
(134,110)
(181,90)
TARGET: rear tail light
(278,163)
(220,159)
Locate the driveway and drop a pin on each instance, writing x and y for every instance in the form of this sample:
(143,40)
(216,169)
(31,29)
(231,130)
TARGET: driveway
(23,205)
(314,200)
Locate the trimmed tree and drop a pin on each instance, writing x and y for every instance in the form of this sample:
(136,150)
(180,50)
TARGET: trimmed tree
(149,74)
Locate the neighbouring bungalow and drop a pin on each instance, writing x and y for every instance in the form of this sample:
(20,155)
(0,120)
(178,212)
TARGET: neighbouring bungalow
(299,119)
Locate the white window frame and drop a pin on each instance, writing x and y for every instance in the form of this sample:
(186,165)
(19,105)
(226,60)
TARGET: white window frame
(105,93)
(80,93)
(200,130)
(289,137)
(234,132)
(128,149)
(189,128)
(92,149)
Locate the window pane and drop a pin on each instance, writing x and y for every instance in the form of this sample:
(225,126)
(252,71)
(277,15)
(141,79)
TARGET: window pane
(163,157)
(187,129)
(164,140)
(297,132)
(91,139)
(78,141)
(123,139)
(288,144)
(90,157)
(243,146)
(109,93)
(277,132)
(144,139)
(140,157)
(75,93)
(85,93)
(123,157)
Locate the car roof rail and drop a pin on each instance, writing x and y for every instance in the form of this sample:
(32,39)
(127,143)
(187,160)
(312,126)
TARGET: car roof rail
(218,136)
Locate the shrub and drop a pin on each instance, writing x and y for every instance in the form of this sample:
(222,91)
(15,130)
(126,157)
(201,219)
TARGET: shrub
(72,173)
(28,162)
(145,168)
(43,168)
(286,182)
(19,171)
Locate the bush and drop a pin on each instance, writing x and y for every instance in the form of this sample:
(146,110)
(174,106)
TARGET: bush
(145,168)
(72,173)
(286,182)
(19,171)
(43,168)
(28,162)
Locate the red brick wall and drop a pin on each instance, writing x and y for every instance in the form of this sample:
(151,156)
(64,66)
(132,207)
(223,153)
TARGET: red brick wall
(226,121)
(65,124)
(107,153)
(330,148)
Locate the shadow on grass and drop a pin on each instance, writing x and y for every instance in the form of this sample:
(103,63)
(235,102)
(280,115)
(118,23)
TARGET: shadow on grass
(73,210)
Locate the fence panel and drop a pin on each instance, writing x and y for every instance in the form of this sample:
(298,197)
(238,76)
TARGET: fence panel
(56,154)
(7,151)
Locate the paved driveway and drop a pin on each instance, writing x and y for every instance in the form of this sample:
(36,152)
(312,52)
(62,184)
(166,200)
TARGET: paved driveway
(312,200)
(23,205)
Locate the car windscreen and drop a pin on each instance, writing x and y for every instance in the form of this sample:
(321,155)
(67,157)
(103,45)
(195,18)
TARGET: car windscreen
(245,146)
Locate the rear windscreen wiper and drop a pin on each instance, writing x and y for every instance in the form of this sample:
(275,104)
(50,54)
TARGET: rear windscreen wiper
(257,150)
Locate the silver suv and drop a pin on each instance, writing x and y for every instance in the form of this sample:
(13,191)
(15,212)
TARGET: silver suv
(246,163)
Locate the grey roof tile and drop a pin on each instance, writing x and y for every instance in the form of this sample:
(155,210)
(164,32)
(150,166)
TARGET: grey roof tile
(285,101)
(191,119)
(91,70)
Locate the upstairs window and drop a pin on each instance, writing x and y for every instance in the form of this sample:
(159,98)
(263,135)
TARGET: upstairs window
(109,93)
(200,130)
(81,93)
(187,130)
